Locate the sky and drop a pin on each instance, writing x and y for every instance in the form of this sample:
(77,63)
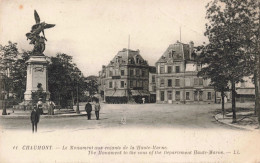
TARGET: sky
(93,31)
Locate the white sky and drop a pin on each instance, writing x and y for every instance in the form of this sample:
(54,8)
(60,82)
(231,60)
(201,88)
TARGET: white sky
(93,31)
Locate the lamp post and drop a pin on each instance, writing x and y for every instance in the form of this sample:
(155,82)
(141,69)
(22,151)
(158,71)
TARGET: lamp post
(3,93)
(77,79)
(77,111)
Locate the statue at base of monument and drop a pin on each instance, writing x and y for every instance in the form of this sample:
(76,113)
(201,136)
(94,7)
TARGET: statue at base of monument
(34,35)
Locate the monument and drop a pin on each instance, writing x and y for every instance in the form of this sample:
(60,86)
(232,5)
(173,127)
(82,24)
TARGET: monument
(37,74)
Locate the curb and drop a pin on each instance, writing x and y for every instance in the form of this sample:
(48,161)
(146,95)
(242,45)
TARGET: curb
(42,116)
(232,125)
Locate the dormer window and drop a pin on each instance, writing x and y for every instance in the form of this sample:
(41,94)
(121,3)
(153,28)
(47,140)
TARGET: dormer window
(137,60)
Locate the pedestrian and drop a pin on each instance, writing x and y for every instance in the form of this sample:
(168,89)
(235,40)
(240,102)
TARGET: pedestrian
(51,107)
(88,109)
(97,108)
(143,99)
(40,106)
(35,117)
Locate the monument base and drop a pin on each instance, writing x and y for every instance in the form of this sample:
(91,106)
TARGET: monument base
(37,77)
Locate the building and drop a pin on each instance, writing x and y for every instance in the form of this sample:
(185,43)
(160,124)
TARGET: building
(245,91)
(152,84)
(176,79)
(125,79)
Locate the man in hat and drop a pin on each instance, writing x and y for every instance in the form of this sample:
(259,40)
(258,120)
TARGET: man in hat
(35,117)
(39,106)
(88,109)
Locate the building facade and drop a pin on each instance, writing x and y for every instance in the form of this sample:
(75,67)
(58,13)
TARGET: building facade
(125,79)
(152,84)
(176,77)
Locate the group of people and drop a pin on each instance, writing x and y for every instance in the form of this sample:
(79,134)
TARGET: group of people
(38,110)
(88,108)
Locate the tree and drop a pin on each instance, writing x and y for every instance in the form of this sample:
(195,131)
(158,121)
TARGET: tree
(63,78)
(8,57)
(19,74)
(91,85)
(228,21)
(253,46)
(214,71)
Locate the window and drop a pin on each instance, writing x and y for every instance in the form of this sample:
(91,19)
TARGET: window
(169,95)
(169,82)
(196,81)
(122,84)
(143,73)
(209,95)
(162,69)
(177,69)
(131,72)
(187,95)
(162,83)
(177,82)
(177,96)
(131,84)
(169,69)
(162,95)
(110,73)
(200,95)
(137,72)
(200,81)
(122,72)
(196,96)
(134,83)
(137,60)
(153,78)
(110,84)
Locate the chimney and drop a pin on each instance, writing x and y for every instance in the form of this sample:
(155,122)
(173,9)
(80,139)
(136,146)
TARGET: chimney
(191,47)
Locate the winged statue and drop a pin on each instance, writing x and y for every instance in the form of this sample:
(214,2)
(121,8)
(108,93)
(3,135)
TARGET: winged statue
(34,35)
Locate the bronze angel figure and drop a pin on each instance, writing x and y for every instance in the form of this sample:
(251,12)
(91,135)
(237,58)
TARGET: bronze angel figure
(34,35)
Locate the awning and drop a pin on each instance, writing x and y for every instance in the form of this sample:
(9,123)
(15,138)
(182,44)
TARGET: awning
(249,91)
(116,93)
(140,93)
(109,92)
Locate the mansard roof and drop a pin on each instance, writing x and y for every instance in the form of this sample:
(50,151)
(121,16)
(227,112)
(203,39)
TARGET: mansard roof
(128,57)
(177,51)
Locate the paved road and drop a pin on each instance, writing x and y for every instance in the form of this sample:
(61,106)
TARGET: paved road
(178,116)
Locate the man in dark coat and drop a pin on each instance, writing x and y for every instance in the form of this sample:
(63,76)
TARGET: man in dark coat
(88,109)
(35,117)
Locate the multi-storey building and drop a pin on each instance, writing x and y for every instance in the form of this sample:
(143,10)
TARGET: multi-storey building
(177,81)
(125,78)
(152,84)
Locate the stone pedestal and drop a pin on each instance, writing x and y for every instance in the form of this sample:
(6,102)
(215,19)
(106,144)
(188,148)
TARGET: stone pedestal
(36,73)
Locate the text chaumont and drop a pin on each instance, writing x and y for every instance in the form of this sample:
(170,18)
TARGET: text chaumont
(37,147)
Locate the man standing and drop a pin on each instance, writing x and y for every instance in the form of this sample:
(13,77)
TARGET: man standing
(88,109)
(40,106)
(35,117)
(51,106)
(97,109)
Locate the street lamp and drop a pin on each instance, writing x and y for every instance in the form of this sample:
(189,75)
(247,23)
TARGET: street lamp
(3,92)
(77,78)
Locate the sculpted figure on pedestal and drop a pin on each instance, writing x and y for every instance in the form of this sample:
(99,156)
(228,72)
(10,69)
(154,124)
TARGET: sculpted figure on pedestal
(34,35)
